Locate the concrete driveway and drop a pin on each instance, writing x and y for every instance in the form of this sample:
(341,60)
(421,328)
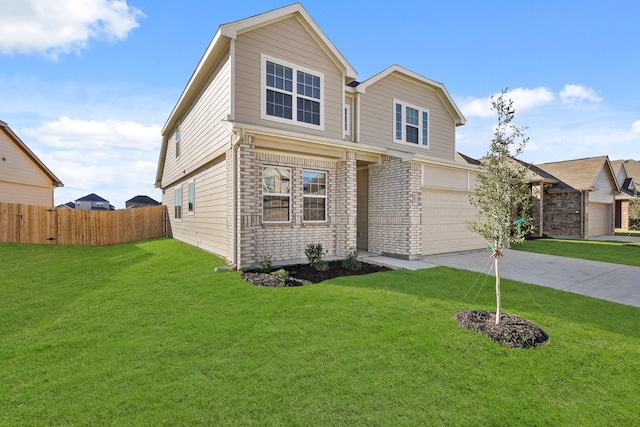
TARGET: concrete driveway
(612,282)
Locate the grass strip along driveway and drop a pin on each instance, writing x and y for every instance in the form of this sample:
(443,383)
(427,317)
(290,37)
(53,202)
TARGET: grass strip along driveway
(617,252)
(148,334)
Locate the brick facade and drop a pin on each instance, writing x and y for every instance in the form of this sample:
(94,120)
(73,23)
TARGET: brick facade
(563,213)
(395,208)
(287,241)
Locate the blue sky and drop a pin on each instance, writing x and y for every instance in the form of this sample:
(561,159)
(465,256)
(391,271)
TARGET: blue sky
(88,85)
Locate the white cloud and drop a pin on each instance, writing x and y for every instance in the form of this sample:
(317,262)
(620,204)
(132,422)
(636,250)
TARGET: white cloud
(62,26)
(523,99)
(114,159)
(636,127)
(577,93)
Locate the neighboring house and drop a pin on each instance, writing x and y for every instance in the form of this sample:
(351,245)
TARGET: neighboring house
(93,202)
(23,177)
(68,205)
(274,145)
(140,202)
(627,192)
(580,203)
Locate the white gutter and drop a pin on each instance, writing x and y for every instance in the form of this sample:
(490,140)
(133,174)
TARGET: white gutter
(234,146)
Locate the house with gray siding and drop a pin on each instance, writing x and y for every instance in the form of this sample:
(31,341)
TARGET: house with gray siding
(275,144)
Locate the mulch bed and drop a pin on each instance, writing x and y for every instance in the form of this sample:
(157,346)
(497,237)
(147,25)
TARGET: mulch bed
(303,274)
(513,331)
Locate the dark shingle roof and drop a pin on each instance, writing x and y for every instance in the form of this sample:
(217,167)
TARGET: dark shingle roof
(93,197)
(142,200)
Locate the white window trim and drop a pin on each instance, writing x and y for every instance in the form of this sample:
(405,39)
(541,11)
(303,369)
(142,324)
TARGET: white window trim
(404,124)
(290,194)
(325,197)
(191,183)
(263,93)
(175,189)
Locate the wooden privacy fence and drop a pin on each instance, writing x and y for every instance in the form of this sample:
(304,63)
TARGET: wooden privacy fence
(63,226)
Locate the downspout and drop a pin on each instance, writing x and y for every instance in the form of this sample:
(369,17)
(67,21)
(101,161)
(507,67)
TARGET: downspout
(234,180)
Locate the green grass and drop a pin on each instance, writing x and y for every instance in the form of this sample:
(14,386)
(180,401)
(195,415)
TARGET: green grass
(627,253)
(149,334)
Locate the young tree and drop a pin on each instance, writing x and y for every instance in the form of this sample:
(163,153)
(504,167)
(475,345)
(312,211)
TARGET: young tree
(502,195)
(634,213)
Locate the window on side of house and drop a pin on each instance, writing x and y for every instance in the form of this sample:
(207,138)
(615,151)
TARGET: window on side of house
(347,118)
(177,213)
(191,197)
(411,124)
(314,192)
(177,138)
(292,94)
(276,194)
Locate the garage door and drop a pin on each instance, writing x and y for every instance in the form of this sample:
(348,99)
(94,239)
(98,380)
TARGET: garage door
(599,219)
(444,222)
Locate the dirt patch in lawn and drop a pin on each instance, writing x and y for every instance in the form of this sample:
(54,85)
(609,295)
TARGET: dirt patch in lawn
(303,274)
(513,331)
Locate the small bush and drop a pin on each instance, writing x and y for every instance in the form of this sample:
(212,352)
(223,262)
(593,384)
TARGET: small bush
(281,274)
(351,261)
(314,253)
(321,265)
(265,264)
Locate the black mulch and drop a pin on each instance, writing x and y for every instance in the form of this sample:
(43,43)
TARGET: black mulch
(303,274)
(513,331)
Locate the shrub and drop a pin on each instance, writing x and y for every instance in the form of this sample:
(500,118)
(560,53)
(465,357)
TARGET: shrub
(314,253)
(281,274)
(265,264)
(321,265)
(351,261)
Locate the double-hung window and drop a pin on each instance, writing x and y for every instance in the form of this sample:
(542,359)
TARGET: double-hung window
(276,194)
(191,197)
(411,124)
(292,94)
(314,192)
(177,213)
(177,138)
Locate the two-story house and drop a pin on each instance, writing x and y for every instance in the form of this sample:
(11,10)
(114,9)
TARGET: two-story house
(274,145)
(24,178)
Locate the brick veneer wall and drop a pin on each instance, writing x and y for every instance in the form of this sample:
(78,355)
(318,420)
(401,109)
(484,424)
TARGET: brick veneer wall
(395,215)
(560,217)
(288,241)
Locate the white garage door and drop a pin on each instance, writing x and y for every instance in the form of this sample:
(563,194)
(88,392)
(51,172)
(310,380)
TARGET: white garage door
(444,222)
(599,219)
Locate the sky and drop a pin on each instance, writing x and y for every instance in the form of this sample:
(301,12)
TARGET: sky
(89,84)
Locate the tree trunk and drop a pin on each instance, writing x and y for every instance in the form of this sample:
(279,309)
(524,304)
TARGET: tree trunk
(498,300)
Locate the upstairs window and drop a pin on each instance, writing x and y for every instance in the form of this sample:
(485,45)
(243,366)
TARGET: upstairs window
(292,94)
(177,137)
(411,124)
(276,194)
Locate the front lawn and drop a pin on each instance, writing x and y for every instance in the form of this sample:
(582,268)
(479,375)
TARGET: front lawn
(148,334)
(627,253)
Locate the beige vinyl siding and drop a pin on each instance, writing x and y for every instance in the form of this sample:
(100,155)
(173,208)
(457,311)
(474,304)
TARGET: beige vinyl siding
(377,116)
(21,180)
(203,129)
(207,227)
(286,40)
(605,187)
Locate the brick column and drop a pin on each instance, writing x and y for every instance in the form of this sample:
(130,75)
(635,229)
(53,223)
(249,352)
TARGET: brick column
(347,208)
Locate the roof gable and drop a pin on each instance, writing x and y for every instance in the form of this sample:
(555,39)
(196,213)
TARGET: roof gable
(93,197)
(23,147)
(438,87)
(580,174)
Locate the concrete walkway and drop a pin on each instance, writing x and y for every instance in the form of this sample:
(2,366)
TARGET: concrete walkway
(612,282)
